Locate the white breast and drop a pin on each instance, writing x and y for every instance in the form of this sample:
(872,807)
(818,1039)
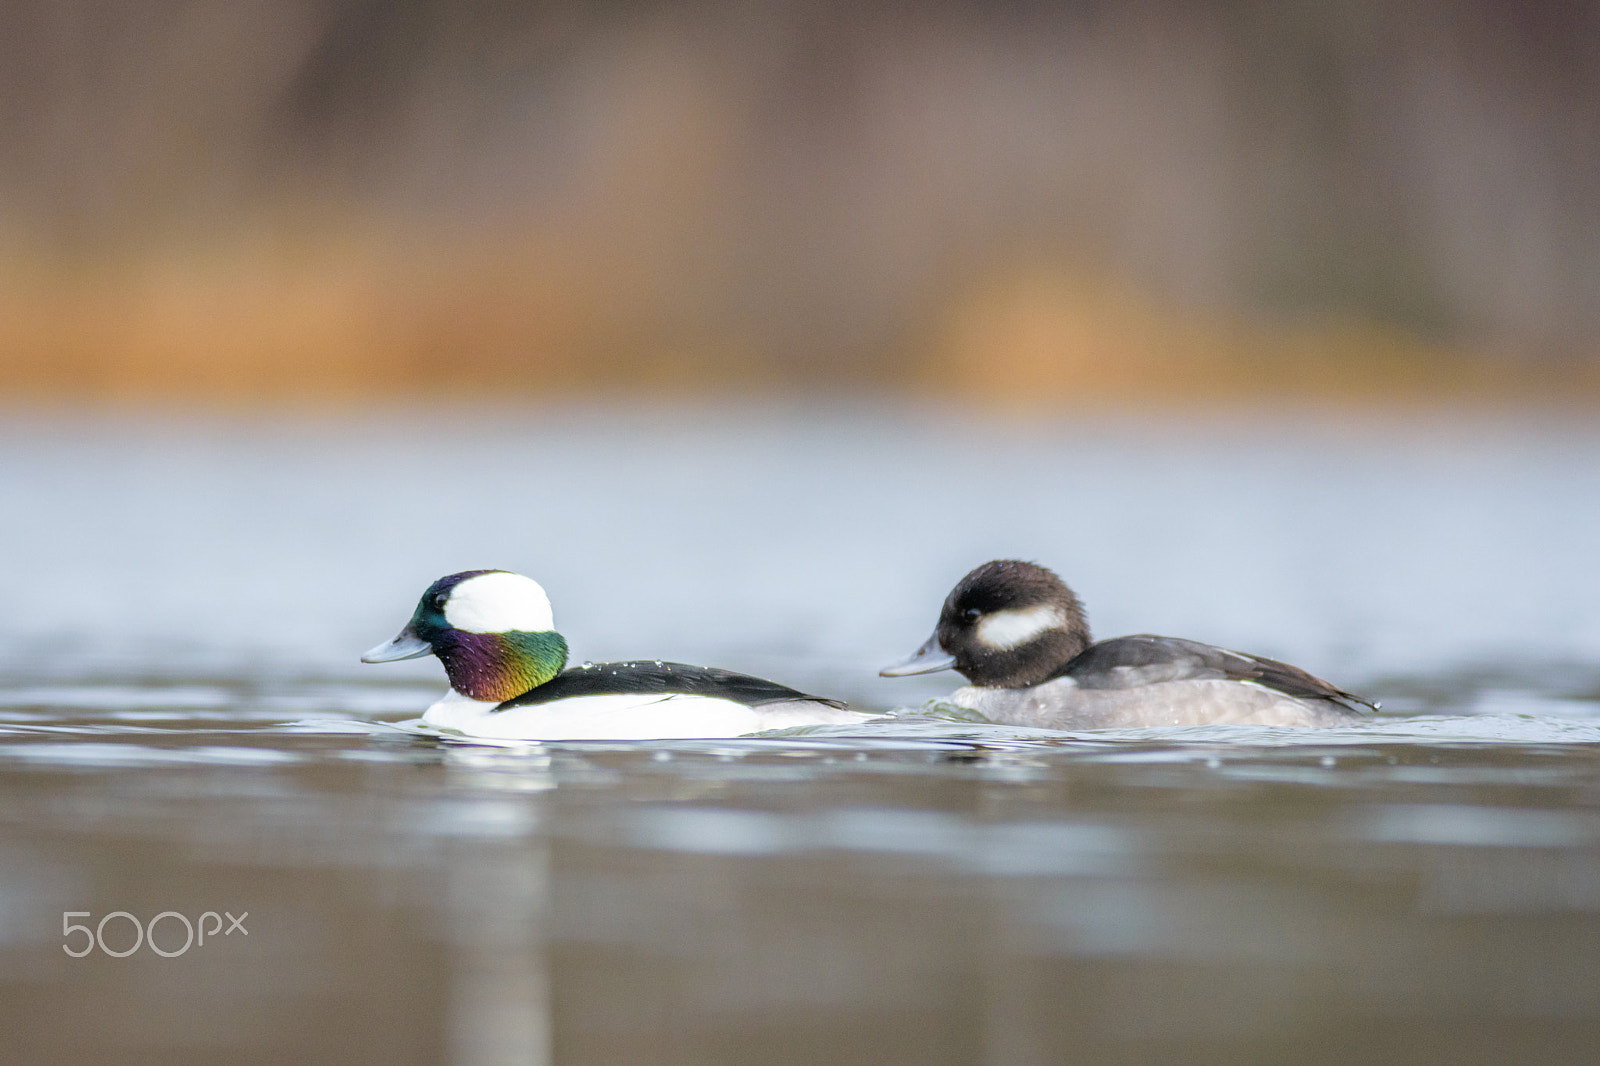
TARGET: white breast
(627,717)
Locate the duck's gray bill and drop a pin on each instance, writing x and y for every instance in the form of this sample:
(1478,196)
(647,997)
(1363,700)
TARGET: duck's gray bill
(405,646)
(928,659)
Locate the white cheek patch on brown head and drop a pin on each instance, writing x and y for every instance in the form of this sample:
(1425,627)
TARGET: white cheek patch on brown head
(1005,630)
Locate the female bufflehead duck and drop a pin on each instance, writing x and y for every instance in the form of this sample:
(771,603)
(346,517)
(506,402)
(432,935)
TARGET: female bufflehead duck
(1020,636)
(494,632)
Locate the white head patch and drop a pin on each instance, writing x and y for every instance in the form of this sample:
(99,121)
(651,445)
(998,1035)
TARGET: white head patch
(495,603)
(1005,630)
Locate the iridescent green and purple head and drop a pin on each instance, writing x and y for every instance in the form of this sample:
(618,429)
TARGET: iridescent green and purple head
(492,629)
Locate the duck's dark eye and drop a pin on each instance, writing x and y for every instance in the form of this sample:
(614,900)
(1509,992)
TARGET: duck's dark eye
(971,614)
(439,600)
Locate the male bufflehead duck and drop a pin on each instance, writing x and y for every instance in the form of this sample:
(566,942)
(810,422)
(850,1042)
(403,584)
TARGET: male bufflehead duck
(1017,632)
(494,632)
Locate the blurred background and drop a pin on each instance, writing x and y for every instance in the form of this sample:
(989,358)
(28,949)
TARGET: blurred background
(1021,204)
(694,311)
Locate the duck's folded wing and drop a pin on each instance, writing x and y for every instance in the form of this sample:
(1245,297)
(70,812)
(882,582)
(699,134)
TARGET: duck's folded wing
(648,676)
(1126,662)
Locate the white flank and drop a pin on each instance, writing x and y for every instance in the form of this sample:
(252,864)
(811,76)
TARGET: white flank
(624,716)
(1004,630)
(496,603)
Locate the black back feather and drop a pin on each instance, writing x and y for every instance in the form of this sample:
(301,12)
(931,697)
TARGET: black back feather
(1126,662)
(647,676)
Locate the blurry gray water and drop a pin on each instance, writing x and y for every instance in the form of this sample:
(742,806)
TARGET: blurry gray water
(184,728)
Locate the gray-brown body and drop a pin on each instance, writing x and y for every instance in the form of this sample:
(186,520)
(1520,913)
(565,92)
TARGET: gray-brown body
(1062,704)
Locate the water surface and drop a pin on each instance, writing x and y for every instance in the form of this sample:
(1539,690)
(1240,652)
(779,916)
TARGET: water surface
(183,728)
